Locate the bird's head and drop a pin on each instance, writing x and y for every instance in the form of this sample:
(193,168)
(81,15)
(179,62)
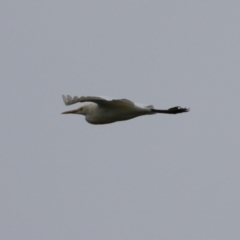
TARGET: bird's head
(82,110)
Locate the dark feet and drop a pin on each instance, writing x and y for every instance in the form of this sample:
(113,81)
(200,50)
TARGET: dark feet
(176,110)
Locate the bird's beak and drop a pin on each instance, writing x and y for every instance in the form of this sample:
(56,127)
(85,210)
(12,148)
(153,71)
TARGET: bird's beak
(71,111)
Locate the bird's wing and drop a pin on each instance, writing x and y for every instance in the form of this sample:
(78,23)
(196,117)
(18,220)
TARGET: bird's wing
(68,100)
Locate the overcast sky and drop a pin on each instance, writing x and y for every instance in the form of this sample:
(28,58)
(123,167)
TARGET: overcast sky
(154,177)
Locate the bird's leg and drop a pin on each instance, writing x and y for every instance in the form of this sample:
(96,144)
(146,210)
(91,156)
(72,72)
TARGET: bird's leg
(174,110)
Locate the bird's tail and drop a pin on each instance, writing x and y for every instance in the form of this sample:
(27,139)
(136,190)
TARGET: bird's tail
(174,110)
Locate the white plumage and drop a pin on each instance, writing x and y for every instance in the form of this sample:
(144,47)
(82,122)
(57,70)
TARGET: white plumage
(103,110)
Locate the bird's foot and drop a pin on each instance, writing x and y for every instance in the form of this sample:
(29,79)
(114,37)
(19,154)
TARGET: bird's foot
(178,109)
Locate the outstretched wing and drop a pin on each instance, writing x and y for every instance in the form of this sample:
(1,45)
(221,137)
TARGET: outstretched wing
(68,100)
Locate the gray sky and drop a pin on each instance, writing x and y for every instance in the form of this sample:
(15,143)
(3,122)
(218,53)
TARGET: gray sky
(154,177)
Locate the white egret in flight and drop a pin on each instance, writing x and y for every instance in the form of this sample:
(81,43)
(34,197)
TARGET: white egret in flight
(103,110)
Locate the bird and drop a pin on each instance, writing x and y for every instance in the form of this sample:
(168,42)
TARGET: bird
(102,110)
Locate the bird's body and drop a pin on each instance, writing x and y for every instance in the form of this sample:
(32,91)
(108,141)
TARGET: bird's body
(103,115)
(103,111)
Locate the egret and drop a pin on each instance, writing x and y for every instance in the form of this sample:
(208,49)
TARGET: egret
(102,110)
